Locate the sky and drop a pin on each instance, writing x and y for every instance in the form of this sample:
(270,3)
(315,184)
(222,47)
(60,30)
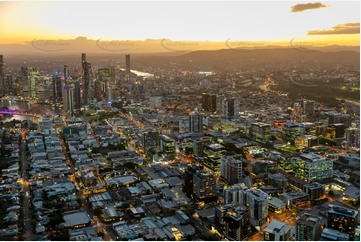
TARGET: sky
(272,21)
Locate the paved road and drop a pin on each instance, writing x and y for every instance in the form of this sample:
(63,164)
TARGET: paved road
(29,234)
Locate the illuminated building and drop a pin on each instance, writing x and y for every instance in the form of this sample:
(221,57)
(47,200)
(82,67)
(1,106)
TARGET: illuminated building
(233,221)
(352,138)
(309,166)
(195,122)
(2,75)
(204,185)
(261,132)
(258,204)
(68,98)
(292,131)
(167,144)
(342,219)
(235,194)
(212,154)
(306,141)
(308,107)
(231,169)
(308,228)
(198,145)
(105,82)
(209,102)
(33,78)
(277,231)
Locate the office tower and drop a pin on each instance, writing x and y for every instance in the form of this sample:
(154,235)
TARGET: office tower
(235,194)
(212,154)
(188,179)
(150,141)
(33,78)
(9,88)
(68,98)
(24,82)
(57,89)
(204,186)
(261,132)
(233,221)
(86,68)
(310,166)
(352,138)
(83,61)
(127,67)
(195,122)
(277,231)
(230,108)
(343,219)
(258,205)
(2,75)
(308,228)
(199,144)
(231,169)
(167,144)
(209,102)
(77,98)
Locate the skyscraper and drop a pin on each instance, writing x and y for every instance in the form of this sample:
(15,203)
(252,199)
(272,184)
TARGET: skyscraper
(33,78)
(195,122)
(231,169)
(230,108)
(127,67)
(2,75)
(258,205)
(209,102)
(204,185)
(68,98)
(308,228)
(86,77)
(343,219)
(77,98)
(57,89)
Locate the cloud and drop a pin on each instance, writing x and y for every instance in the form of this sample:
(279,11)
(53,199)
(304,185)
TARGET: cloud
(347,28)
(307,6)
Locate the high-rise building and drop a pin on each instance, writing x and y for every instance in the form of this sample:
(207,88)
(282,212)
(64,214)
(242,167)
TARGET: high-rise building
(68,98)
(258,205)
(212,154)
(277,231)
(127,67)
(204,185)
(308,228)
(2,75)
(77,97)
(261,132)
(233,220)
(9,87)
(86,69)
(33,78)
(343,219)
(57,89)
(188,179)
(230,108)
(352,138)
(308,107)
(209,102)
(310,166)
(231,169)
(195,122)
(235,194)
(24,77)
(167,144)
(150,141)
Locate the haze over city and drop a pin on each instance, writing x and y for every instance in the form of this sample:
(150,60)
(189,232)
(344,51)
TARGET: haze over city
(170,120)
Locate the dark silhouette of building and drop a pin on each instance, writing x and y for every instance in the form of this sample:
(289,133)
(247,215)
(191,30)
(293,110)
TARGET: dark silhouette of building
(308,228)
(2,75)
(57,89)
(127,66)
(195,122)
(77,98)
(209,102)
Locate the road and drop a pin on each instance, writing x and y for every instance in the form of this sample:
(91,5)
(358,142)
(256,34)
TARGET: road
(29,234)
